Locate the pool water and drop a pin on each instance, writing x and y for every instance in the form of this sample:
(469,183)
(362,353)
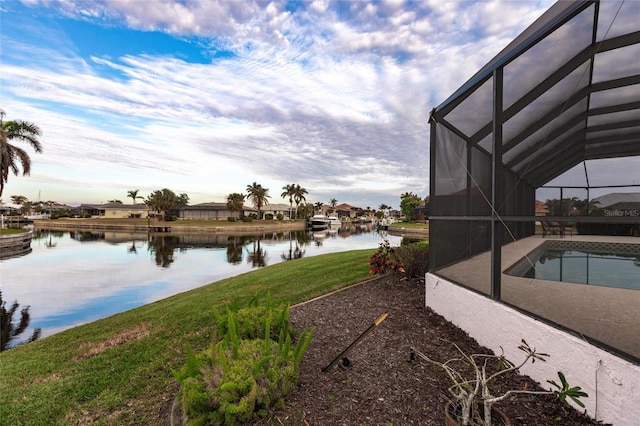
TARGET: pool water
(605,264)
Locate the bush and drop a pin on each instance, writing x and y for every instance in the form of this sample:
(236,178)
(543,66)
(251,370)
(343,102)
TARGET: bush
(238,379)
(384,260)
(247,219)
(231,219)
(415,258)
(268,216)
(251,320)
(280,216)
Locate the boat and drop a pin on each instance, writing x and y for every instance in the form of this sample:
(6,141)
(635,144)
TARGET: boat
(319,221)
(334,222)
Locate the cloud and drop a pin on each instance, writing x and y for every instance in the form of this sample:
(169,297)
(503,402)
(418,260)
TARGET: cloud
(332,95)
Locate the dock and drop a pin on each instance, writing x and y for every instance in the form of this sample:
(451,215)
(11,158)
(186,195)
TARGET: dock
(155,228)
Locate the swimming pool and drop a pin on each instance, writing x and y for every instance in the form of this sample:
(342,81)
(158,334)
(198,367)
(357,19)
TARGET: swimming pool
(605,264)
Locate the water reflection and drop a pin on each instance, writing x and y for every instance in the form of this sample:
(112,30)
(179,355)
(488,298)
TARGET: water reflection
(74,277)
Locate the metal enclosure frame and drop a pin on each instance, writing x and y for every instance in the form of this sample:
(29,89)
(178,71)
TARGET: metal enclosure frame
(565,91)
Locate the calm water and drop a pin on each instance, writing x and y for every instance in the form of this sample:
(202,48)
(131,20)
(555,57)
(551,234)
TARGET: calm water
(611,265)
(71,278)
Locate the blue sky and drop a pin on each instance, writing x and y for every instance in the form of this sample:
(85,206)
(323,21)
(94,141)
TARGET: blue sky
(208,97)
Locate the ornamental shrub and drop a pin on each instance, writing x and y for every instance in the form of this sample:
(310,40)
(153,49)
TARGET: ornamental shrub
(237,379)
(415,258)
(384,260)
(251,319)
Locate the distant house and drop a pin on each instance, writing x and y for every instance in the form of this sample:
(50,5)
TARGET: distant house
(7,210)
(619,204)
(210,211)
(123,211)
(276,209)
(346,210)
(541,208)
(111,210)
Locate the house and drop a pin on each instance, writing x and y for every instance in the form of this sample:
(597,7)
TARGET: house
(123,211)
(276,209)
(346,210)
(111,210)
(210,211)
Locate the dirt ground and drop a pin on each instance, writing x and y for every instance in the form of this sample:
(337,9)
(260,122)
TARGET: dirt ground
(382,385)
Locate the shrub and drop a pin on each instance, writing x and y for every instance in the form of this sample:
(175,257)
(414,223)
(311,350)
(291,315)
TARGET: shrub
(231,219)
(385,260)
(237,379)
(268,216)
(280,216)
(251,320)
(415,258)
(247,219)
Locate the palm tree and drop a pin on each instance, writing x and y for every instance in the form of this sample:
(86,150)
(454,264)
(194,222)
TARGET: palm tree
(289,191)
(22,131)
(19,200)
(235,202)
(319,206)
(258,196)
(133,194)
(298,196)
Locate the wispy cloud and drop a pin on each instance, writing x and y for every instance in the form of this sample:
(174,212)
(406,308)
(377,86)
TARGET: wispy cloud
(332,95)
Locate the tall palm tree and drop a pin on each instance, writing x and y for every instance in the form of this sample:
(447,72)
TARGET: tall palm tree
(298,196)
(289,191)
(133,194)
(19,200)
(9,154)
(258,196)
(319,206)
(235,202)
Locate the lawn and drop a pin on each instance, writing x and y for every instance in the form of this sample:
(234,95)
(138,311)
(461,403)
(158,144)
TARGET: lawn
(118,370)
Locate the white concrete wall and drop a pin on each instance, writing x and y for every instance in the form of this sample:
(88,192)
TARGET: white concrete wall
(612,383)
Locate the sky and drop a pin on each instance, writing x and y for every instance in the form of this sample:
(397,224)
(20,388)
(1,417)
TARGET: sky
(207,97)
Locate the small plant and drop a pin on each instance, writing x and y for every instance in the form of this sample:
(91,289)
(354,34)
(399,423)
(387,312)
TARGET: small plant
(385,260)
(414,258)
(244,374)
(472,398)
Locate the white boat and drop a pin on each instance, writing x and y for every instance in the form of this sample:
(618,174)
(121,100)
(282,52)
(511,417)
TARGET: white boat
(319,221)
(334,222)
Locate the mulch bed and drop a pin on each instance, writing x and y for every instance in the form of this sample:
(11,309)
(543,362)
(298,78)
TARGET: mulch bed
(382,385)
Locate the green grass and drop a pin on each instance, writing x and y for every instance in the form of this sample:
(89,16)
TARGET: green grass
(411,225)
(11,231)
(118,370)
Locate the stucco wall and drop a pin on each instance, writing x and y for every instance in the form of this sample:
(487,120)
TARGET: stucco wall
(612,383)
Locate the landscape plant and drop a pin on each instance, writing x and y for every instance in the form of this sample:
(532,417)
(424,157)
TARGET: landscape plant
(415,258)
(247,373)
(472,374)
(385,260)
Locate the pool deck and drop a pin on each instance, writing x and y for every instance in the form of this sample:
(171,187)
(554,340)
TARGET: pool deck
(606,314)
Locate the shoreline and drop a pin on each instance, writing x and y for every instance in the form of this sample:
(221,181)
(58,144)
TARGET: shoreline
(214,227)
(175,226)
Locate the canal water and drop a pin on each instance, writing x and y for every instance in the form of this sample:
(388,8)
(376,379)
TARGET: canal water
(75,277)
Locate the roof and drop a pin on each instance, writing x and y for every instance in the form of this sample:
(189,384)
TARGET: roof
(118,206)
(211,206)
(571,91)
(617,198)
